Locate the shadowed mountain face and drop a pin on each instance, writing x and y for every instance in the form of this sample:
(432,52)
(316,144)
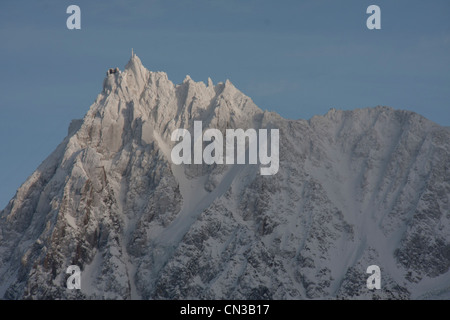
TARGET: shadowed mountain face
(354,189)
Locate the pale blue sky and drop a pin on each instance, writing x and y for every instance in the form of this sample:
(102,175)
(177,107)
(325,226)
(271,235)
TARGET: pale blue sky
(298,58)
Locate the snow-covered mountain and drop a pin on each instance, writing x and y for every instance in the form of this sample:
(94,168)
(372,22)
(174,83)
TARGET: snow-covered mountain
(354,188)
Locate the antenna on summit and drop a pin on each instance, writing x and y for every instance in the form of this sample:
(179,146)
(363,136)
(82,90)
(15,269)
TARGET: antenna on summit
(132,53)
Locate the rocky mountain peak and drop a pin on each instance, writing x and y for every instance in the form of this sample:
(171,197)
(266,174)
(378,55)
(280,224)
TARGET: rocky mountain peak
(354,188)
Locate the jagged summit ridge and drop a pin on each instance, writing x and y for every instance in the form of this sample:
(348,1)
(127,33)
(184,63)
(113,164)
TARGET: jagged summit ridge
(354,188)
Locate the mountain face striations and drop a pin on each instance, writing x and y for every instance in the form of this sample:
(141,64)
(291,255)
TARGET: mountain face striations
(354,189)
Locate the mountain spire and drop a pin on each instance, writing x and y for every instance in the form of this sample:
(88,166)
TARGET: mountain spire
(134,61)
(111,201)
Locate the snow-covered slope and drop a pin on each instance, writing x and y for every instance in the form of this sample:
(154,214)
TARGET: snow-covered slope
(354,188)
